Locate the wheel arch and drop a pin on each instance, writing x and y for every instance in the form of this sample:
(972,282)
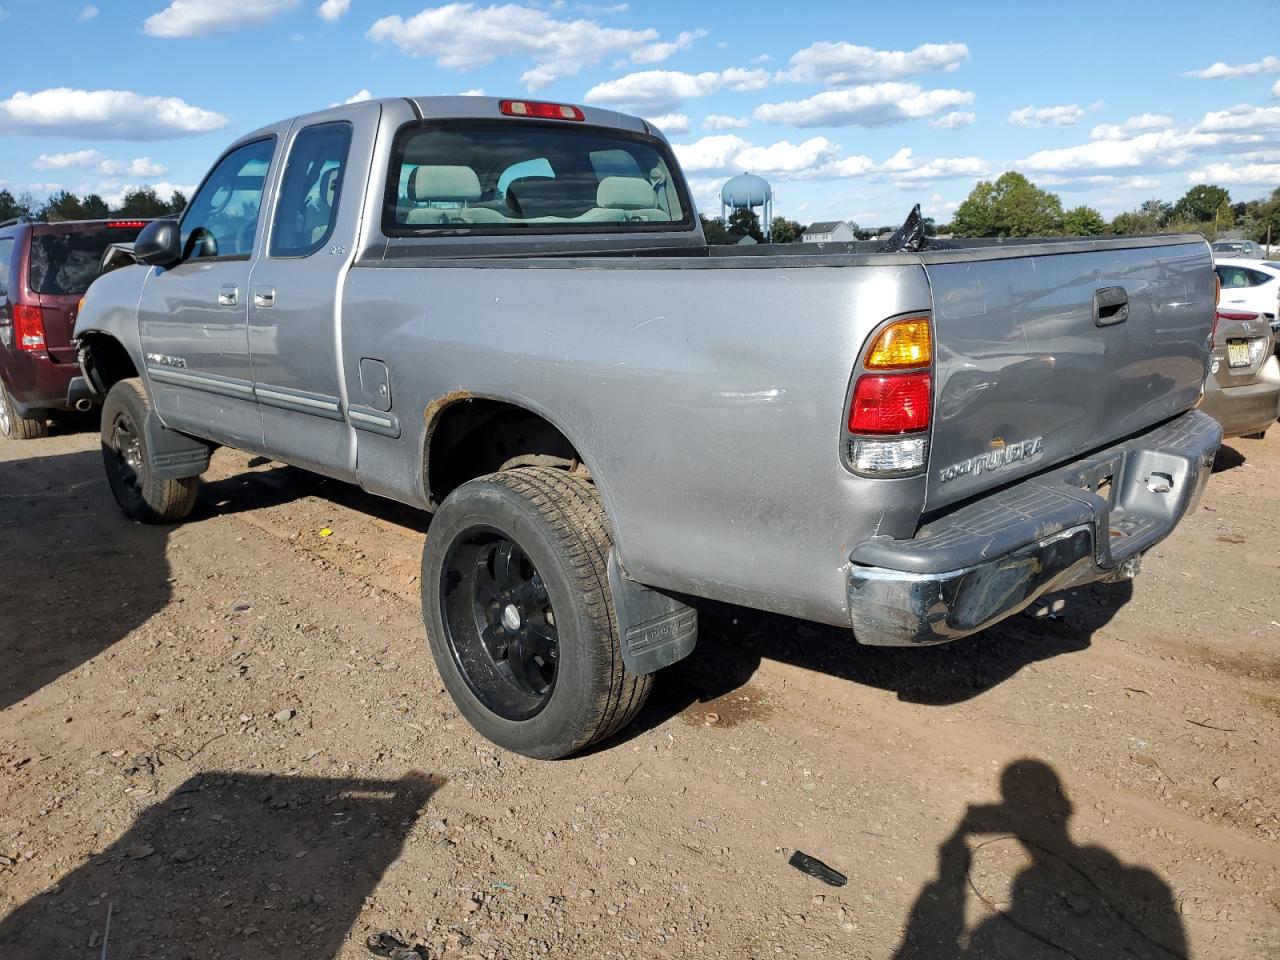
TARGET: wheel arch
(105,361)
(454,420)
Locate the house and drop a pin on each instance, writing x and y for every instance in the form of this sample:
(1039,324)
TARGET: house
(828,231)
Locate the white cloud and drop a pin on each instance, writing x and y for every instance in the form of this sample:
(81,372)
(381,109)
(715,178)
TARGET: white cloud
(359,96)
(473,92)
(953,120)
(1220,70)
(718,121)
(842,64)
(86,159)
(332,10)
(1097,180)
(459,36)
(87,12)
(113,192)
(1275,91)
(656,52)
(671,123)
(1237,175)
(1063,116)
(664,90)
(872,105)
(65,161)
(195,18)
(1242,118)
(941,168)
(1142,123)
(104,114)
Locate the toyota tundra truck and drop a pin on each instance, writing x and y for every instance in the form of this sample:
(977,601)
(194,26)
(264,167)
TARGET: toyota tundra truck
(505,312)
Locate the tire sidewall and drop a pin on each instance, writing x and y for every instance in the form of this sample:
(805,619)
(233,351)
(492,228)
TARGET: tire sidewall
(570,717)
(125,398)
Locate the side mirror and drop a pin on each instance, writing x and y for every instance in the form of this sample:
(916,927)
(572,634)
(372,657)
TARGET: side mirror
(159,244)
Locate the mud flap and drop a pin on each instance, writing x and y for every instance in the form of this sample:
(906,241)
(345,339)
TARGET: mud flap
(174,455)
(656,628)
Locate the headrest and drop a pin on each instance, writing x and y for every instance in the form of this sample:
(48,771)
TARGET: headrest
(444,183)
(625,193)
(329,186)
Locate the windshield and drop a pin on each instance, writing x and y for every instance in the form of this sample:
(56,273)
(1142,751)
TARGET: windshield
(505,177)
(66,263)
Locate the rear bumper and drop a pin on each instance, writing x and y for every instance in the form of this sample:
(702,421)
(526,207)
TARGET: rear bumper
(988,560)
(37,382)
(1249,408)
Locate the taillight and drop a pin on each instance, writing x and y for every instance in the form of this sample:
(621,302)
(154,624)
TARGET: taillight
(127,224)
(540,111)
(28,327)
(891,405)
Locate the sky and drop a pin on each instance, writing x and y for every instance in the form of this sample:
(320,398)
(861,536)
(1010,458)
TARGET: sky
(852,110)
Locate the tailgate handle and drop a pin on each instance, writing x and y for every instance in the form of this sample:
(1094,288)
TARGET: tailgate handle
(1110,305)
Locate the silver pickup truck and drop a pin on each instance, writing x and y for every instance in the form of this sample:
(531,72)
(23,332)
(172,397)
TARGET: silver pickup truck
(505,312)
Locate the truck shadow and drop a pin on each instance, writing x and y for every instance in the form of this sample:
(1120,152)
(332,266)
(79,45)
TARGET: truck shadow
(77,575)
(1034,891)
(229,865)
(733,641)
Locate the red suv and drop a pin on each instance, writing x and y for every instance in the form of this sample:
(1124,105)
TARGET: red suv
(45,268)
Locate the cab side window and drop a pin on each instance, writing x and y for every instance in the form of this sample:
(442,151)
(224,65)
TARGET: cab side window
(307,208)
(222,217)
(6,254)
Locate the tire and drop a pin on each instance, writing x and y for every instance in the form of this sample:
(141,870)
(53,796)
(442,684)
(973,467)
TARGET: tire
(548,530)
(141,495)
(15,427)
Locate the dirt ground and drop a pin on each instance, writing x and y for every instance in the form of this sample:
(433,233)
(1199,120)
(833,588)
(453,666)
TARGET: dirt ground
(228,737)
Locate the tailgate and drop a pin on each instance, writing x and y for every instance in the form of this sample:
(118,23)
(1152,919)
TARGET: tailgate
(59,312)
(1041,357)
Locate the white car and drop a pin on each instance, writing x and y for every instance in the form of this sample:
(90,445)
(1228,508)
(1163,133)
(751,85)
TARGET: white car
(1251,286)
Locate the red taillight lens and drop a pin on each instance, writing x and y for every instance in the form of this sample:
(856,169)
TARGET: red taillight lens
(127,224)
(28,327)
(541,111)
(891,404)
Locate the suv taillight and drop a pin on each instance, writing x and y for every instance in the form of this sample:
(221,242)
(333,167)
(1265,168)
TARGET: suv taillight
(28,327)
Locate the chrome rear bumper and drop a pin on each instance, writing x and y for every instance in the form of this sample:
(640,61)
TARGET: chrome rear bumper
(1086,521)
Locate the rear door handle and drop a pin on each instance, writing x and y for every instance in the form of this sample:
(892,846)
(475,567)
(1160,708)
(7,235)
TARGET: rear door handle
(264,297)
(228,296)
(1110,306)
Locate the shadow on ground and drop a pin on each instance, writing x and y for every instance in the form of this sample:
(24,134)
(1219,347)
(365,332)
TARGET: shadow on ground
(78,576)
(230,865)
(732,641)
(1012,884)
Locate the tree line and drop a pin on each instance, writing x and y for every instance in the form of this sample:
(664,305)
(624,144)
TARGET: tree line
(141,202)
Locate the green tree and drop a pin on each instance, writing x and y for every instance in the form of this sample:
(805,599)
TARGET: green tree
(12,207)
(94,207)
(713,229)
(143,203)
(62,206)
(1083,222)
(1200,204)
(1151,217)
(1264,216)
(1013,206)
(745,222)
(783,230)
(177,202)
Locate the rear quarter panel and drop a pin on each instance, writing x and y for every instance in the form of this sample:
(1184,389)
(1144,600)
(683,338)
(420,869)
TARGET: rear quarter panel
(707,401)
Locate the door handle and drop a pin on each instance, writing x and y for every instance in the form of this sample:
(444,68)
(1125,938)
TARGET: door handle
(265,297)
(228,296)
(1110,306)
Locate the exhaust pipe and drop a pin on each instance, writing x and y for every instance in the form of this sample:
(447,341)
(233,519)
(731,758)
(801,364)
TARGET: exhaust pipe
(84,405)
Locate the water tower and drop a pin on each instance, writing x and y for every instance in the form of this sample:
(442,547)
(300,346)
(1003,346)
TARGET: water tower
(747,191)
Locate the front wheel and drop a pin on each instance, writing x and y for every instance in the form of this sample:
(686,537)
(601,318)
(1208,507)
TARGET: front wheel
(515,595)
(141,494)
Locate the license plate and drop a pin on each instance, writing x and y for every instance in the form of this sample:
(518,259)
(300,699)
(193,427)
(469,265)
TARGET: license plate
(1237,353)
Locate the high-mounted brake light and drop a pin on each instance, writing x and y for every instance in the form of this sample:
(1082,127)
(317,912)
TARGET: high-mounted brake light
(28,327)
(540,111)
(901,345)
(127,224)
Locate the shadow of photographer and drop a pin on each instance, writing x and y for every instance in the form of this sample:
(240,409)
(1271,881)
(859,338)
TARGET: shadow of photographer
(1012,883)
(230,865)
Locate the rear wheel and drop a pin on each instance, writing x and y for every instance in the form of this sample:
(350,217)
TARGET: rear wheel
(141,495)
(17,427)
(516,600)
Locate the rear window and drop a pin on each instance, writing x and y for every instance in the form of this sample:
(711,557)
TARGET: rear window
(507,177)
(66,263)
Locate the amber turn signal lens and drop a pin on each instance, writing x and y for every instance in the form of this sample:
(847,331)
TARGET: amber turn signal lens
(902,344)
